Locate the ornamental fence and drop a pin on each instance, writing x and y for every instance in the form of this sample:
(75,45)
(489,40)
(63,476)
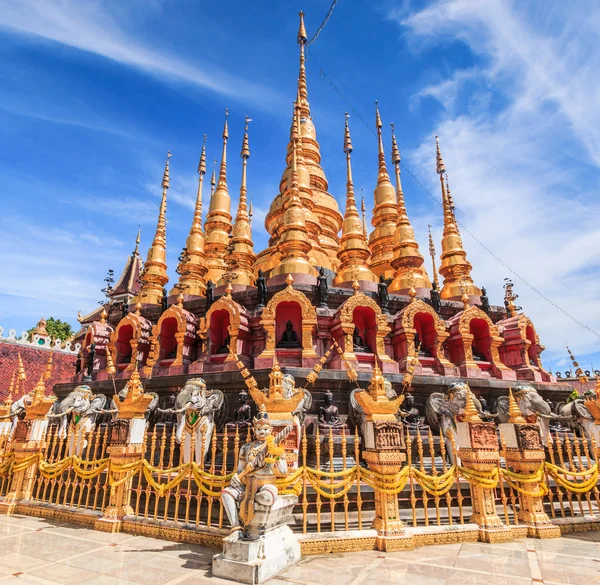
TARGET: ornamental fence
(336,491)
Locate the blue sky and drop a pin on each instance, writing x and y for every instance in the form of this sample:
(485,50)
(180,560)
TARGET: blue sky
(94,93)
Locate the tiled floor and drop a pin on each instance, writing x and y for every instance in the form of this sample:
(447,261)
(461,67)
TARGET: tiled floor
(37,551)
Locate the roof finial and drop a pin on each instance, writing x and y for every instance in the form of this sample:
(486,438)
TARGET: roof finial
(302,38)
(515,416)
(440,168)
(48,371)
(213,179)
(363,209)
(137,240)
(578,371)
(471,414)
(432,254)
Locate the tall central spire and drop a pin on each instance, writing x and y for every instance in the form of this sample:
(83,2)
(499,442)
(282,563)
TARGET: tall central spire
(354,251)
(242,254)
(385,214)
(455,268)
(293,245)
(154,276)
(218,220)
(192,266)
(407,261)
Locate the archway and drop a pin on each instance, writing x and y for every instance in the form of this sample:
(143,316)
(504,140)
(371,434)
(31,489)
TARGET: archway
(288,312)
(482,340)
(218,332)
(168,342)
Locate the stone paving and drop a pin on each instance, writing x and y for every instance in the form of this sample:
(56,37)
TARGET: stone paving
(38,551)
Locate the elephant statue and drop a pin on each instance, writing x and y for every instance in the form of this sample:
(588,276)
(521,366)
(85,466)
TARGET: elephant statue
(196,408)
(580,418)
(78,413)
(288,386)
(533,407)
(443,410)
(17,411)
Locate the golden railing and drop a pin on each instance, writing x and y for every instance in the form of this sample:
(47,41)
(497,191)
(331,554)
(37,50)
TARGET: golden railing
(336,491)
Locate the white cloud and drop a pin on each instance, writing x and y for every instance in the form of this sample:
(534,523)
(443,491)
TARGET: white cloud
(522,175)
(90,26)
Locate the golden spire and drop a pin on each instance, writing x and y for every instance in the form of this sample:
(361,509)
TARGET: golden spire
(137,241)
(363,209)
(455,267)
(103,315)
(154,276)
(583,379)
(385,214)
(21,376)
(192,266)
(432,254)
(213,179)
(509,298)
(515,416)
(48,371)
(470,414)
(242,255)
(407,261)
(294,245)
(218,221)
(9,397)
(354,252)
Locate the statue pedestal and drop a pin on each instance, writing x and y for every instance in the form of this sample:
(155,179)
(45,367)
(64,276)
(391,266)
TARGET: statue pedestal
(267,548)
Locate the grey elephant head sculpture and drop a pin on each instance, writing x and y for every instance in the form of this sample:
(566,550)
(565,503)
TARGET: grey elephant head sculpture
(533,407)
(81,409)
(196,408)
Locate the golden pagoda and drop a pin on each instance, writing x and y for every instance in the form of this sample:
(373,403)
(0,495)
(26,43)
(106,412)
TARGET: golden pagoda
(407,261)
(455,268)
(385,215)
(192,266)
(354,251)
(242,254)
(154,276)
(218,220)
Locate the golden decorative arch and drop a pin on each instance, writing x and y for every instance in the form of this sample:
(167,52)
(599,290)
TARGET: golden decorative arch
(464,328)
(186,325)
(142,329)
(309,319)
(346,312)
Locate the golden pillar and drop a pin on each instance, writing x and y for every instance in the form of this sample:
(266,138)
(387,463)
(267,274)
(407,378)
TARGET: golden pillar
(154,276)
(407,261)
(192,266)
(455,268)
(354,252)
(218,220)
(385,215)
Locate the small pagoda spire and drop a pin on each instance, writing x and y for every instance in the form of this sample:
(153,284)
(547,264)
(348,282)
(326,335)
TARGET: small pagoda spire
(11,389)
(294,245)
(515,416)
(218,221)
(432,254)
(583,379)
(48,371)
(354,252)
(136,252)
(455,268)
(192,266)
(385,214)
(213,178)
(242,254)
(363,209)
(407,261)
(154,276)
(470,414)
(21,376)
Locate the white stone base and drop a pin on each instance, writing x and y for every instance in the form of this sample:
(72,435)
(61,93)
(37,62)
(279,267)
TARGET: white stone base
(256,561)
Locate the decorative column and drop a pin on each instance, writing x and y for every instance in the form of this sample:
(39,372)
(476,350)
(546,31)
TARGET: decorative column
(524,453)
(478,452)
(384,454)
(126,449)
(28,443)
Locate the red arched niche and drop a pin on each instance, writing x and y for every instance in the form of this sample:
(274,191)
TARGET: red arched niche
(168,343)
(424,325)
(88,338)
(482,341)
(365,320)
(284,312)
(532,350)
(219,331)
(123,344)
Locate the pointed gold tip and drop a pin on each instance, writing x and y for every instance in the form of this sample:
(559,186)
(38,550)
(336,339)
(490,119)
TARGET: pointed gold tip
(213,180)
(302,38)
(378,123)
(226,127)
(470,414)
(202,163)
(165,181)
(515,416)
(395,149)
(289,280)
(347,140)
(441,169)
(245,154)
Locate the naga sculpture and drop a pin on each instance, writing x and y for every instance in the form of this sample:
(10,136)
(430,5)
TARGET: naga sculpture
(442,410)
(196,408)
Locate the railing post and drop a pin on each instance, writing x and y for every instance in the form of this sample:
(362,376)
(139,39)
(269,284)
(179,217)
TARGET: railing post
(479,454)
(28,443)
(126,447)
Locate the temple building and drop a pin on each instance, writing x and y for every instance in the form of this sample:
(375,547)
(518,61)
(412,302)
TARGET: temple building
(324,280)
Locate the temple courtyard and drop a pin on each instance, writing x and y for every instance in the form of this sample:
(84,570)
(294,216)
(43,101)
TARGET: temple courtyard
(39,551)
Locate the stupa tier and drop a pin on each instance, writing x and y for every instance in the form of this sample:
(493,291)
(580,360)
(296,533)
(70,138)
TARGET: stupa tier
(324,293)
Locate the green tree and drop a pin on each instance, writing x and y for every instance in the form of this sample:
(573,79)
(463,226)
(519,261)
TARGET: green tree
(56,329)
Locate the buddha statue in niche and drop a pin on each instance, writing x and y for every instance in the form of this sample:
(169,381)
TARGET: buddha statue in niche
(243,414)
(225,347)
(289,338)
(329,415)
(358,342)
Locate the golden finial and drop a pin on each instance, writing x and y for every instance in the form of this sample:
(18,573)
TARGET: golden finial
(213,179)
(9,398)
(465,296)
(510,297)
(356,286)
(412,293)
(471,414)
(48,371)
(103,315)
(515,416)
(382,174)
(245,147)
(138,308)
(202,162)
(432,254)
(223,168)
(180,299)
(302,38)
(137,240)
(165,181)
(110,366)
(583,379)
(347,141)
(363,209)
(440,168)
(39,391)
(449,196)
(289,280)
(21,377)
(228,290)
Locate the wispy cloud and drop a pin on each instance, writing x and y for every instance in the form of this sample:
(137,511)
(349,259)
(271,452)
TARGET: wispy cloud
(91,26)
(513,167)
